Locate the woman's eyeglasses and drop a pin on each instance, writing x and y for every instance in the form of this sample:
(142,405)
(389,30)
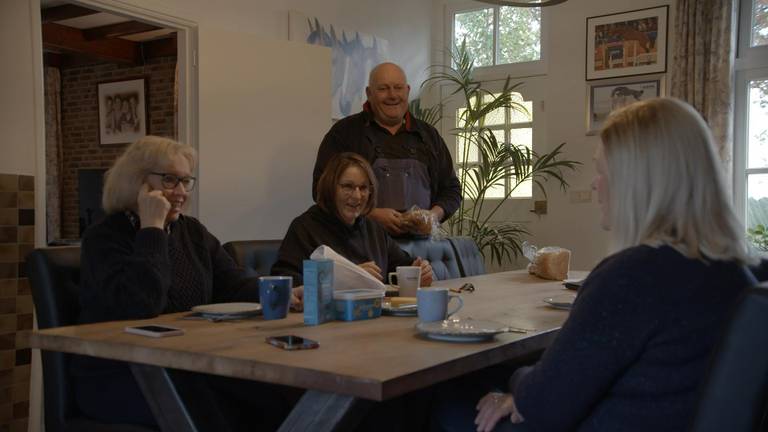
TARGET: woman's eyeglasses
(170,181)
(350,188)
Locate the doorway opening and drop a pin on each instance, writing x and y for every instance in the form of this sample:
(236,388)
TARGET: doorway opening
(111,75)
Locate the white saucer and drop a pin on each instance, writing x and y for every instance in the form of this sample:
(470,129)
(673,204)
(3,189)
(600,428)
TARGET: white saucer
(562,301)
(223,309)
(462,330)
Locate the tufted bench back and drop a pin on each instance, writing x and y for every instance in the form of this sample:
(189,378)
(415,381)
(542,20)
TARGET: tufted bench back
(439,253)
(255,256)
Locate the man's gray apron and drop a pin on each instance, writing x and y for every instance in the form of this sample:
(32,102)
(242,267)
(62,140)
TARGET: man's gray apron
(402,183)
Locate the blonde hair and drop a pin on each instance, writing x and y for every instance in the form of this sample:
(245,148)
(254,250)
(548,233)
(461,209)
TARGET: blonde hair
(150,153)
(666,185)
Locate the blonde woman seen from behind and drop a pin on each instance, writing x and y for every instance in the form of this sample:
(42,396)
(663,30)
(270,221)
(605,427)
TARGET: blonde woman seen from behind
(635,346)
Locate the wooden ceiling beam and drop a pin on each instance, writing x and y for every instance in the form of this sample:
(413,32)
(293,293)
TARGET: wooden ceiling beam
(63,12)
(165,47)
(67,39)
(117,30)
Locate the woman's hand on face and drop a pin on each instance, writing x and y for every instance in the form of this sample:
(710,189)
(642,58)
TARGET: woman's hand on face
(426,271)
(390,219)
(153,207)
(372,269)
(494,407)
(297,298)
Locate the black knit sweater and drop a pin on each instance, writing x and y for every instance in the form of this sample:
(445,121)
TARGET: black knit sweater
(364,241)
(132,273)
(634,350)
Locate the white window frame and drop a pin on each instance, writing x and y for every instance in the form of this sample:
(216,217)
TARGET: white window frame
(515,70)
(534,91)
(751,64)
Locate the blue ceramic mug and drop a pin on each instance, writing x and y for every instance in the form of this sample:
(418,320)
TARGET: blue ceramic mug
(433,304)
(275,296)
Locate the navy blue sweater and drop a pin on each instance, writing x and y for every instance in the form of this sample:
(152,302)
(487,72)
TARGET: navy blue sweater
(635,348)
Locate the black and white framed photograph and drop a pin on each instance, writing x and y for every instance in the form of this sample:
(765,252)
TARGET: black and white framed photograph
(122,111)
(605,97)
(627,43)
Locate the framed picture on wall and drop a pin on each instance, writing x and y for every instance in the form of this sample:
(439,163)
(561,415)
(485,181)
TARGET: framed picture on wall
(122,111)
(605,97)
(628,43)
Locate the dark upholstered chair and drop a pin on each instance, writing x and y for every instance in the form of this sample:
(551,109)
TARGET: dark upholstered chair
(255,256)
(735,392)
(470,259)
(54,276)
(439,253)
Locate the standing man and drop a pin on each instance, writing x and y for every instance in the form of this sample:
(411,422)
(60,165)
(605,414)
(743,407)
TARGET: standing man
(409,158)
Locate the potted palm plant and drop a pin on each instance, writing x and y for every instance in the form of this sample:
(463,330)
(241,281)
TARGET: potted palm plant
(497,162)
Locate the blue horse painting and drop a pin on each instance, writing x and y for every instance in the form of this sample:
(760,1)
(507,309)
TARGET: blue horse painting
(353,55)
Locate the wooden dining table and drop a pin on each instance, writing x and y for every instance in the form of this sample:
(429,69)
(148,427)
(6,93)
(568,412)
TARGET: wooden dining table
(357,361)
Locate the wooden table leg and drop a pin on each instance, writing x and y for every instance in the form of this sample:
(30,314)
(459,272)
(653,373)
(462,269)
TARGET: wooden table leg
(324,412)
(163,399)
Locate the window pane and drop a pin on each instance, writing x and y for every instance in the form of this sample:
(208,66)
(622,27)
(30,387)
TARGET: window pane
(525,190)
(471,154)
(757,200)
(496,191)
(518,116)
(760,22)
(758,124)
(499,133)
(476,28)
(495,117)
(519,35)
(521,136)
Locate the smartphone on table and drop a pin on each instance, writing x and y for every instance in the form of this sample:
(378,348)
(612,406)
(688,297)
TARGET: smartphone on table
(155,330)
(291,342)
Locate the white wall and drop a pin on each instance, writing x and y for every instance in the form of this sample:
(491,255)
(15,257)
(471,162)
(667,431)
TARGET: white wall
(404,23)
(270,202)
(17,112)
(571,225)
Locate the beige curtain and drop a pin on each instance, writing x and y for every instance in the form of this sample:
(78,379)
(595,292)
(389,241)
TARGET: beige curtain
(702,65)
(176,102)
(53,153)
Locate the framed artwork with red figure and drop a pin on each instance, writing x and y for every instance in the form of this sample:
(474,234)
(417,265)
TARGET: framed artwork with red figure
(627,43)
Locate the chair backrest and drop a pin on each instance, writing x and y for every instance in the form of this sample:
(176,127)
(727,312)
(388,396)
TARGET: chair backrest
(736,388)
(470,259)
(255,256)
(439,253)
(54,276)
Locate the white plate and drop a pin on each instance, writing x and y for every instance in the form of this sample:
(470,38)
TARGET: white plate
(225,309)
(562,301)
(461,330)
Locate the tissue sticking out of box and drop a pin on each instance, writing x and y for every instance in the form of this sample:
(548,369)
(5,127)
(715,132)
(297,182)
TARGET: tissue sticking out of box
(549,262)
(346,274)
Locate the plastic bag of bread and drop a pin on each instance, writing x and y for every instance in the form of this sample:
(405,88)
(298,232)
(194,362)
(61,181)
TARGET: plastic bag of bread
(549,262)
(419,221)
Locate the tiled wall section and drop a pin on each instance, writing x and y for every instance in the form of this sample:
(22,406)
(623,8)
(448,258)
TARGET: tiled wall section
(17,238)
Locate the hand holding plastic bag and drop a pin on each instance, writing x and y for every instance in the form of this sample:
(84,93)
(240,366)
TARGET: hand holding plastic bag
(422,222)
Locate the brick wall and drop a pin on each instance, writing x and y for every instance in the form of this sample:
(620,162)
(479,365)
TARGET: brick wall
(79,122)
(17,238)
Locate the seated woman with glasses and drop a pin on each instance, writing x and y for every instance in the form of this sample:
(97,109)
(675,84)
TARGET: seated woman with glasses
(346,193)
(147,258)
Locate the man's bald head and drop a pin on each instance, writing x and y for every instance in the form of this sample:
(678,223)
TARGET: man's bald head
(386,69)
(387,93)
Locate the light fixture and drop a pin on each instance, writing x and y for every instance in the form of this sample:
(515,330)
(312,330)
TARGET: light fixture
(532,3)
